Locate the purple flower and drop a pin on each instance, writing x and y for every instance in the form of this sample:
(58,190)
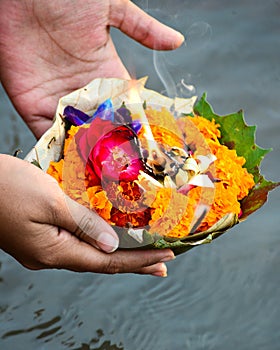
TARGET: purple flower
(75,116)
(105,111)
(123,117)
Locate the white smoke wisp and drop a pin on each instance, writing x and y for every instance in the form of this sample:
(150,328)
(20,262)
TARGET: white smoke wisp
(197,37)
(163,74)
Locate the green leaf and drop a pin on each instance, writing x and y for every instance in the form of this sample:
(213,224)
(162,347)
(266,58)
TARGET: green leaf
(154,241)
(257,197)
(236,134)
(179,246)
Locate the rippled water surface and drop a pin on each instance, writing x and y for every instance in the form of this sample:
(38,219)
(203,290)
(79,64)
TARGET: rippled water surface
(221,296)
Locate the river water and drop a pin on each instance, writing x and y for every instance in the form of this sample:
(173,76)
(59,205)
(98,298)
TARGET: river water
(219,296)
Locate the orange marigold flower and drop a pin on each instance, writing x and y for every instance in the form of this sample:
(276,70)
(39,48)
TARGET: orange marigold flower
(141,203)
(55,170)
(137,219)
(164,128)
(69,137)
(209,129)
(235,181)
(172,213)
(69,172)
(195,134)
(99,201)
(128,206)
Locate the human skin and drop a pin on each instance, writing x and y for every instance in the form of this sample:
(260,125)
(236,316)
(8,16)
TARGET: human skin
(42,228)
(48,49)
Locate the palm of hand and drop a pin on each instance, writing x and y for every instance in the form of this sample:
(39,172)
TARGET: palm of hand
(55,51)
(49,48)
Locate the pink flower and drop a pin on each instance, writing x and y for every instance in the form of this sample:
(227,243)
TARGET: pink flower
(116,156)
(86,139)
(110,152)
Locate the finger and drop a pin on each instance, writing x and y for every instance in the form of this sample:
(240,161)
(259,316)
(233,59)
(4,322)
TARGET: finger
(158,269)
(87,225)
(79,256)
(143,28)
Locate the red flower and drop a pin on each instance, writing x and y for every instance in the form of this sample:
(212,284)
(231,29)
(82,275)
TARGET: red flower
(116,156)
(111,153)
(86,139)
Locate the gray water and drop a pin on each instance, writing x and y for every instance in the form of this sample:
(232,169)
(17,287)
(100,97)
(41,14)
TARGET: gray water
(219,296)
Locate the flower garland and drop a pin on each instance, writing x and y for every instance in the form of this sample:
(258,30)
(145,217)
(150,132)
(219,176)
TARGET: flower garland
(104,167)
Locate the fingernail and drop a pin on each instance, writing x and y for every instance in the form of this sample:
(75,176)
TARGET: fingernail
(107,242)
(168,258)
(179,40)
(161,273)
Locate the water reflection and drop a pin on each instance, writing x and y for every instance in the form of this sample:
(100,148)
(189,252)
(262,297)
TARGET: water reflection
(40,326)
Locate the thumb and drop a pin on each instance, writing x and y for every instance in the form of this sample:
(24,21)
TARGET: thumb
(87,225)
(143,28)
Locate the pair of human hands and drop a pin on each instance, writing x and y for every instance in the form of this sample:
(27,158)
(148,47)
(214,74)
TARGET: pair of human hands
(48,49)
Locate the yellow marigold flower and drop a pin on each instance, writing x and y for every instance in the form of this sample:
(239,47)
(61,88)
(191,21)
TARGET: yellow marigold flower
(99,201)
(164,128)
(169,213)
(69,137)
(55,170)
(235,181)
(172,213)
(69,172)
(210,130)
(193,136)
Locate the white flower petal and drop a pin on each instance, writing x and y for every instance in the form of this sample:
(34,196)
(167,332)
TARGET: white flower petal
(191,165)
(136,234)
(201,180)
(205,161)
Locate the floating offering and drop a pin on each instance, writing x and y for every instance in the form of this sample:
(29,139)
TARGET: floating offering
(163,172)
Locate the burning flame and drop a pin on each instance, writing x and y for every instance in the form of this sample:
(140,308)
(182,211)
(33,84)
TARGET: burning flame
(136,107)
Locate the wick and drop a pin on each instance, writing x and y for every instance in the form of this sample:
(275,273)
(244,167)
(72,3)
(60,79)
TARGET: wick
(158,159)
